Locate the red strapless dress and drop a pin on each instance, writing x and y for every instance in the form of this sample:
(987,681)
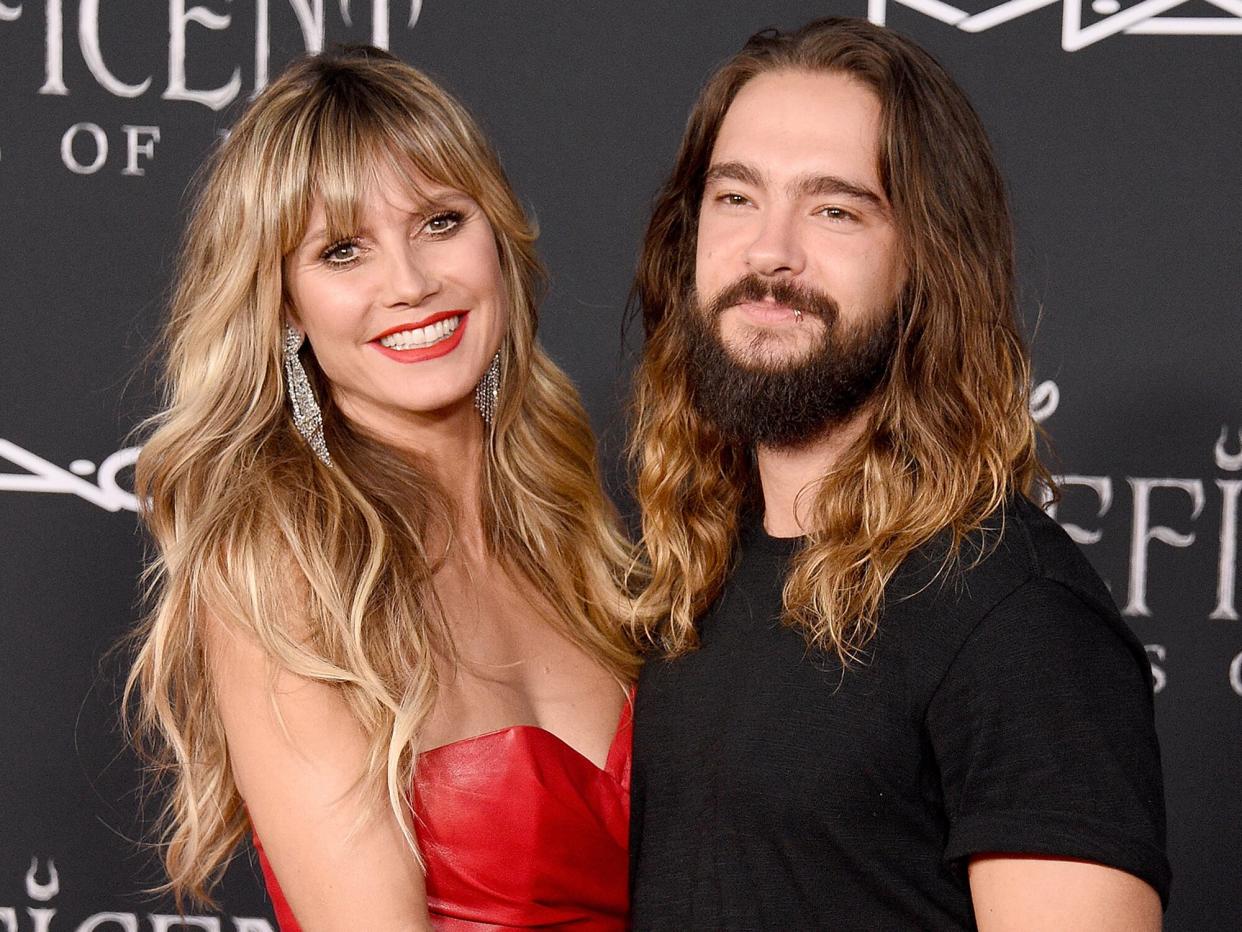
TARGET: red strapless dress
(518,829)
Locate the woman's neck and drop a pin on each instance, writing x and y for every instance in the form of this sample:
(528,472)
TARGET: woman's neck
(450,446)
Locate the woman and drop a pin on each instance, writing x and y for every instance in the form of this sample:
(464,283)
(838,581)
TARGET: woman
(387,633)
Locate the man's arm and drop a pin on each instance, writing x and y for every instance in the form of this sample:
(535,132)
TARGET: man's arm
(1050,767)
(1025,893)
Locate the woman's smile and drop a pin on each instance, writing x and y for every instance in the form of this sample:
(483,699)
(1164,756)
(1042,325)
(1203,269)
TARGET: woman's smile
(434,336)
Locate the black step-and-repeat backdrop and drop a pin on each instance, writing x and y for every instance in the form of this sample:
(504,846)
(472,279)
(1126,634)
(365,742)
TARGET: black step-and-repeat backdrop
(1119,126)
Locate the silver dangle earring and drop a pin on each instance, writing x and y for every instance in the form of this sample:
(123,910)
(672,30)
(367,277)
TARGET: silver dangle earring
(486,391)
(306,416)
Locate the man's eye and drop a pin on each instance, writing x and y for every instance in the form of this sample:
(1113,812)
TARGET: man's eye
(342,253)
(734,200)
(443,223)
(836,213)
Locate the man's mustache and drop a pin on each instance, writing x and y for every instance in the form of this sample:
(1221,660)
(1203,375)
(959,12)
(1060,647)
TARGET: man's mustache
(797,297)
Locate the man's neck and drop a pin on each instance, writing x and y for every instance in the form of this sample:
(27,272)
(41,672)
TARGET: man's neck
(786,472)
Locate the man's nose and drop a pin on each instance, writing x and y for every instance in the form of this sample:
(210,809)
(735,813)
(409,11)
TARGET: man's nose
(777,249)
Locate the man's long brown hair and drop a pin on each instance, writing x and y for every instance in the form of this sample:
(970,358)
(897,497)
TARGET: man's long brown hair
(950,435)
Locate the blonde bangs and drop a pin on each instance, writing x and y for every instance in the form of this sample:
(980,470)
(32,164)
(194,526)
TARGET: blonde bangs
(361,131)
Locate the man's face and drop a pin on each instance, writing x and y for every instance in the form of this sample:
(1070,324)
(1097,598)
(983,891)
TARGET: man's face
(798,264)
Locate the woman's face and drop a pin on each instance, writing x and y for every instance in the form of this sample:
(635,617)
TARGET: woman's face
(405,316)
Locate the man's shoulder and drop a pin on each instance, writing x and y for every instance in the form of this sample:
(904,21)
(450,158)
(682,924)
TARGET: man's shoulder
(1019,556)
(1017,545)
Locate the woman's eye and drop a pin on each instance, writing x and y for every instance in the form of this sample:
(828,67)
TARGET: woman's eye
(341,253)
(733,200)
(443,223)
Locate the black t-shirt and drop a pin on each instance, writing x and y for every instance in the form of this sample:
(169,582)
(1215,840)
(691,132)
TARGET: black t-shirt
(1002,707)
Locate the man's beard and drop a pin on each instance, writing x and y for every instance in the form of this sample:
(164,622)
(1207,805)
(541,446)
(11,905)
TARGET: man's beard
(773,403)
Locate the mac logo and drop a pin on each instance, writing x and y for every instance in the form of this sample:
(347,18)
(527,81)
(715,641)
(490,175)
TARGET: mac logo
(1144,18)
(44,476)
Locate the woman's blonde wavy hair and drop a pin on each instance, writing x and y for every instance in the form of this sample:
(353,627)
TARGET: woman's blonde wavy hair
(251,527)
(950,435)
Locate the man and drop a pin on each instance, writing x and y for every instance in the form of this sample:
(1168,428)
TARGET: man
(886,691)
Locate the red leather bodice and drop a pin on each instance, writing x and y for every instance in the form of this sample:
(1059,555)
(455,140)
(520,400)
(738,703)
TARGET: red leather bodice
(518,829)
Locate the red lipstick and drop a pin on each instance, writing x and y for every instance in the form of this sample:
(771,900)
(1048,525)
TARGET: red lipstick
(422,353)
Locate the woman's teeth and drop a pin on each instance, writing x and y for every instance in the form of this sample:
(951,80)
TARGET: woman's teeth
(422,336)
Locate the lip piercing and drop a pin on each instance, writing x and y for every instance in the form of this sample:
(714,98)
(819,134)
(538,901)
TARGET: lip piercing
(797,315)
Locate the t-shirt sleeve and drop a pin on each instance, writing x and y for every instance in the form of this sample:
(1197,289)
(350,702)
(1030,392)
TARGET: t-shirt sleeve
(1043,731)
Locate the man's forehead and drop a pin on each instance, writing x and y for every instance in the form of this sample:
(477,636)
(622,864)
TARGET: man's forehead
(803,122)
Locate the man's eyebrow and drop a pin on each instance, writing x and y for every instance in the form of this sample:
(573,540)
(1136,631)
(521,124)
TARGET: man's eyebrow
(805,186)
(830,185)
(733,171)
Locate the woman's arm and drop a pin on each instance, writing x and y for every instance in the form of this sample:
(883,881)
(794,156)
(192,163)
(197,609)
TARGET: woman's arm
(341,861)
